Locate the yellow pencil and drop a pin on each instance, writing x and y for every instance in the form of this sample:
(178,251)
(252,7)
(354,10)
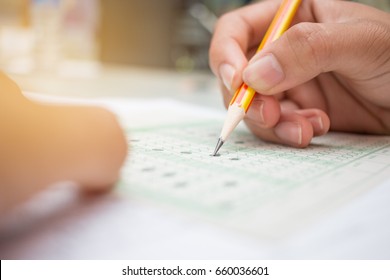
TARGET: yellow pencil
(243,97)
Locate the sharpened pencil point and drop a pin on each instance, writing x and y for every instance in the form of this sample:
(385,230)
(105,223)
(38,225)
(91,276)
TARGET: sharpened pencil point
(218,146)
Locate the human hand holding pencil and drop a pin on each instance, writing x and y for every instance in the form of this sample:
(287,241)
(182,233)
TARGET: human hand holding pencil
(330,70)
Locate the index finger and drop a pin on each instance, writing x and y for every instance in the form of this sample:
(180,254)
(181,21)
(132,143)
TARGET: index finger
(236,33)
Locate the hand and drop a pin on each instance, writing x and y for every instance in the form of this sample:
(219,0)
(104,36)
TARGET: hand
(43,144)
(330,70)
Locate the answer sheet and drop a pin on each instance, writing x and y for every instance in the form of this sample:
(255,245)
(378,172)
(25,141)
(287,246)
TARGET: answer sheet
(263,189)
(255,201)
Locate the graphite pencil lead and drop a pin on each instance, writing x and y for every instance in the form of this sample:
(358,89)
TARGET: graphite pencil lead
(218,146)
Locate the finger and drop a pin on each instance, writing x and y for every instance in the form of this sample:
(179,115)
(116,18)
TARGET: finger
(235,34)
(308,49)
(264,111)
(292,129)
(318,119)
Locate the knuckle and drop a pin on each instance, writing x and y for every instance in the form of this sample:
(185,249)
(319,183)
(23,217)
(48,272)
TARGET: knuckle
(374,28)
(378,36)
(224,22)
(226,18)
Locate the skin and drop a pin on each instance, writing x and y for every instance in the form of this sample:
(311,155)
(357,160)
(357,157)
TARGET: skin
(329,71)
(41,144)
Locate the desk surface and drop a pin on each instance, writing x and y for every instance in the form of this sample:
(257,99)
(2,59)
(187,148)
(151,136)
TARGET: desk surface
(62,224)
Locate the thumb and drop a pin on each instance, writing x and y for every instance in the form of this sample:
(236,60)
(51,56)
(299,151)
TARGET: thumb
(308,49)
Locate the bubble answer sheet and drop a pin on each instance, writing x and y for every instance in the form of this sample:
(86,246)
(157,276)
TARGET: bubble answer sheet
(263,189)
(256,200)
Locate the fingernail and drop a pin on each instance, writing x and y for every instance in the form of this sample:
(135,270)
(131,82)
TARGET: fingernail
(256,112)
(290,132)
(227,74)
(264,73)
(317,123)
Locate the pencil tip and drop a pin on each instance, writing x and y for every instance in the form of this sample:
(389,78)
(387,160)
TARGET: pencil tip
(218,146)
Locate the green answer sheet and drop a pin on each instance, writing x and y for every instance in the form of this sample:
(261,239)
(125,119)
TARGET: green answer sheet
(263,189)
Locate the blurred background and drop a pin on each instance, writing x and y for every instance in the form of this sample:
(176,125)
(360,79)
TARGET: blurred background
(41,35)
